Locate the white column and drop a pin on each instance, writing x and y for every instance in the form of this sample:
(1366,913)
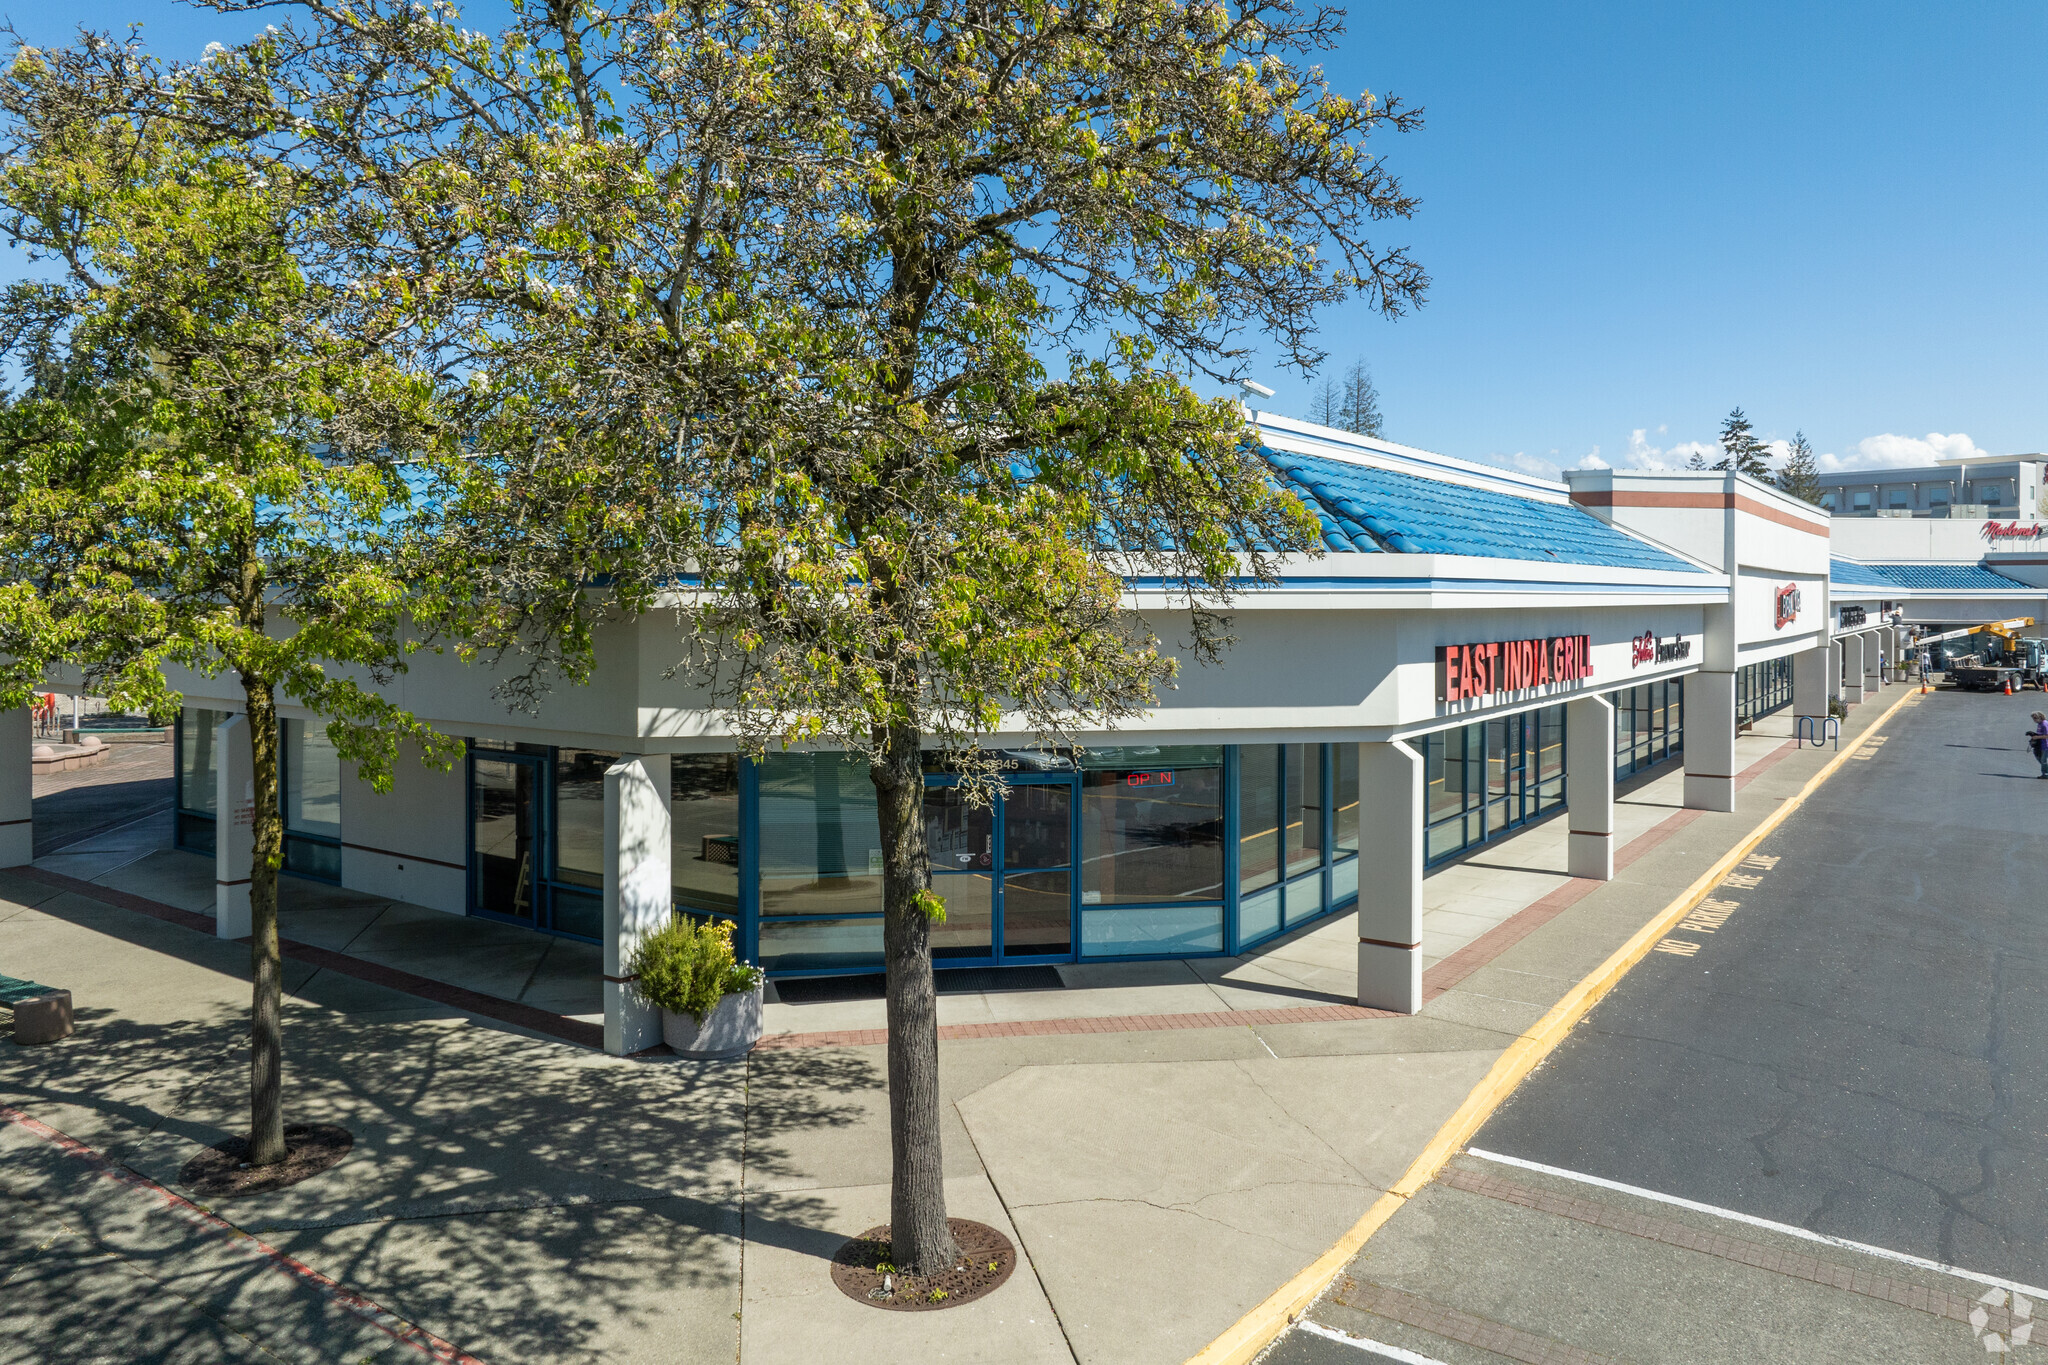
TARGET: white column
(17,787)
(1852,669)
(1390,891)
(639,894)
(234,826)
(1873,681)
(1589,785)
(1810,669)
(1834,648)
(1710,741)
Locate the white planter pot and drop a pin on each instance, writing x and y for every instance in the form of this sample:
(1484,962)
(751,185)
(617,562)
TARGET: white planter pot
(731,1030)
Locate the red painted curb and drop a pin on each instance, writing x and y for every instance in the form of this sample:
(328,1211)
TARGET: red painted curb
(383,1319)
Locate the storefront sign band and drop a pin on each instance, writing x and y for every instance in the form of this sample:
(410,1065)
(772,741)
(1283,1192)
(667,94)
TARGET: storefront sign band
(1467,671)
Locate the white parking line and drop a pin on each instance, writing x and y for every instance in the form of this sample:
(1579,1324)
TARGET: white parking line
(1804,1234)
(1366,1344)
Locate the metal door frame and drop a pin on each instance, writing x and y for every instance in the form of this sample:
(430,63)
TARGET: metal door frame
(996,956)
(542,768)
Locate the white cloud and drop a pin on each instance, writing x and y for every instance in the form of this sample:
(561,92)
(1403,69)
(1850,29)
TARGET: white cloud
(1892,452)
(1643,455)
(1524,463)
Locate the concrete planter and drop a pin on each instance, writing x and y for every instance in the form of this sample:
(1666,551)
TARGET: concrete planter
(731,1030)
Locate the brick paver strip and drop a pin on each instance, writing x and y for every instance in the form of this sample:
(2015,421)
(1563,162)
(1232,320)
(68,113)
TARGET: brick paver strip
(578,1031)
(1110,1023)
(1782,1261)
(1453,1324)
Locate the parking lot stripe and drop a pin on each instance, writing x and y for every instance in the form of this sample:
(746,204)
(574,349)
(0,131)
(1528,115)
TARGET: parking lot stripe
(1394,1353)
(1251,1333)
(1468,1329)
(1787,1229)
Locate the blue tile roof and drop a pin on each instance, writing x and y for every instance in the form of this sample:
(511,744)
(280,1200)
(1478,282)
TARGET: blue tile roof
(1364,509)
(1850,574)
(1949,577)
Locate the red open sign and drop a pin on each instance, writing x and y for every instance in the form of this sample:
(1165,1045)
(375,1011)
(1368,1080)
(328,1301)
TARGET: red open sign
(1164,779)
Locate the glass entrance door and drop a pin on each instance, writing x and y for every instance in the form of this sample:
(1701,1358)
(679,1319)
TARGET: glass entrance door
(505,811)
(1005,871)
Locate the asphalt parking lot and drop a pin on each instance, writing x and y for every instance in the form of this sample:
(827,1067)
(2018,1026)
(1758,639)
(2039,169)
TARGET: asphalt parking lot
(1843,1042)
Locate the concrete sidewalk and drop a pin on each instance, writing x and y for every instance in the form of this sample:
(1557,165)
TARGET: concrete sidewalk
(528,1200)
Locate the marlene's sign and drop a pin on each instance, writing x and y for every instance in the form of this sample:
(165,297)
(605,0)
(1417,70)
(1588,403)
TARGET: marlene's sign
(1648,649)
(2012,530)
(1464,671)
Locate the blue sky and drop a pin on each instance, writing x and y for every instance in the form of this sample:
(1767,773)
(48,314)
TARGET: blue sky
(1640,215)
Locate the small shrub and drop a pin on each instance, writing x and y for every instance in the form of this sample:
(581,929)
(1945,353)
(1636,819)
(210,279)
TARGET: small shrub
(687,968)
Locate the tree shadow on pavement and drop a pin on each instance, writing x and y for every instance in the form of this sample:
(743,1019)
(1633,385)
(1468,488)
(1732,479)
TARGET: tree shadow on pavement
(523,1198)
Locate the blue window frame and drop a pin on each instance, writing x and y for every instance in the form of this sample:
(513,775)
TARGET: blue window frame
(1484,779)
(536,822)
(308,793)
(1649,725)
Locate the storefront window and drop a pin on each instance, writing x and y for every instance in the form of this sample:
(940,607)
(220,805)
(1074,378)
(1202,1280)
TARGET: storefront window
(1152,831)
(1345,796)
(1484,779)
(1258,818)
(704,815)
(1304,812)
(821,845)
(312,780)
(579,816)
(198,770)
(198,781)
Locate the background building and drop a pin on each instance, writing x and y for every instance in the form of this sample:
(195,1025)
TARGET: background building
(1973,486)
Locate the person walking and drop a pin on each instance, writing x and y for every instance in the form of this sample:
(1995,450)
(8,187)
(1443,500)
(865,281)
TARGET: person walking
(2037,740)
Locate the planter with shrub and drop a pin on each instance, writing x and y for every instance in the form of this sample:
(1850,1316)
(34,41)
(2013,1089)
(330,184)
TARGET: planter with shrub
(710,1001)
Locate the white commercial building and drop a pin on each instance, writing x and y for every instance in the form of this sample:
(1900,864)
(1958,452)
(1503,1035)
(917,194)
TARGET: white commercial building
(1477,650)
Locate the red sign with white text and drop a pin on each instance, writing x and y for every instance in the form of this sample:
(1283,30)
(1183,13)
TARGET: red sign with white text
(1787,605)
(1466,671)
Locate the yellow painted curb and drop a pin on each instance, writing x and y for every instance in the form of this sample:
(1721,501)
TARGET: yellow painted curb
(1253,1332)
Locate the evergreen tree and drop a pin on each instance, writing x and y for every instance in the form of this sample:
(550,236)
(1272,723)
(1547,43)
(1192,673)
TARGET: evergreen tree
(1741,451)
(1698,461)
(1361,410)
(1326,404)
(1801,476)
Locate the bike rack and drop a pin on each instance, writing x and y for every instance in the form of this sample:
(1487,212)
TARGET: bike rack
(1816,729)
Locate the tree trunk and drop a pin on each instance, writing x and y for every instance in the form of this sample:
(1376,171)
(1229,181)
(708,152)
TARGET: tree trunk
(922,1243)
(266,1026)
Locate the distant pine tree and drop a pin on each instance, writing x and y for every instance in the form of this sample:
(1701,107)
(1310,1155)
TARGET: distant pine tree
(1741,451)
(1361,410)
(1801,475)
(1326,404)
(1698,461)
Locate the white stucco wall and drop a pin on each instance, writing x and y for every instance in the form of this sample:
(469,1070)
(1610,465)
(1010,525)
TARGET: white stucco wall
(408,843)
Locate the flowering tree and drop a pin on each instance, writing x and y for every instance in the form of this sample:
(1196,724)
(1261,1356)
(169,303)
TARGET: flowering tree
(191,468)
(864,335)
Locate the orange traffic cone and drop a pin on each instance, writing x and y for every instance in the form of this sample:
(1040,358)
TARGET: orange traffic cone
(2008,687)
